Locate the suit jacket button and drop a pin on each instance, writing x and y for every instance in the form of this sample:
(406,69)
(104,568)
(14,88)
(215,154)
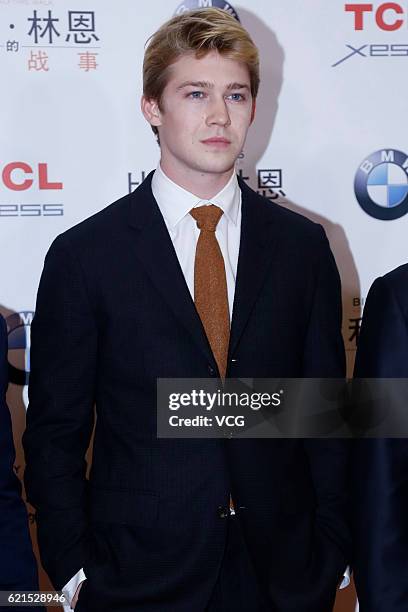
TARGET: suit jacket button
(211,370)
(223,512)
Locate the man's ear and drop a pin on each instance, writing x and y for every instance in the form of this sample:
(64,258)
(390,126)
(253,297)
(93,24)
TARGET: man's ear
(253,110)
(151,111)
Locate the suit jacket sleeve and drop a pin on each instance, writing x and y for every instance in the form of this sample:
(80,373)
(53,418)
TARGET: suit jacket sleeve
(18,569)
(383,341)
(60,414)
(329,459)
(380,474)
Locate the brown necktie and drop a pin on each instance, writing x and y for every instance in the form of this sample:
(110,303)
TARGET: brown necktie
(210,284)
(210,287)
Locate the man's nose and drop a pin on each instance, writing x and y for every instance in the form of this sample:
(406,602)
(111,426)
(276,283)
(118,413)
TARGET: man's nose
(218,113)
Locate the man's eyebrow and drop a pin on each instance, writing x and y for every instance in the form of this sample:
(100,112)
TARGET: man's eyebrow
(238,86)
(208,85)
(202,84)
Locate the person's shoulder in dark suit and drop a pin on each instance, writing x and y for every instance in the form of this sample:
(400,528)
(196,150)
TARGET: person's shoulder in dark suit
(140,207)
(380,474)
(18,569)
(383,341)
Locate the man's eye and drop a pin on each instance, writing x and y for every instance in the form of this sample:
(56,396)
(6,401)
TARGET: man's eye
(196,94)
(236,97)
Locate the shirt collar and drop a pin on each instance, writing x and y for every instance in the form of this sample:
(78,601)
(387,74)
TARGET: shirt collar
(175,202)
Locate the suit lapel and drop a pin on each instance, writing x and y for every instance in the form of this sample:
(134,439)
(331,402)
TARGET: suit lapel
(257,246)
(155,251)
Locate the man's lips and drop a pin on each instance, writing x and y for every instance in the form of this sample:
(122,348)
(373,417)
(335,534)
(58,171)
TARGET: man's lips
(217,141)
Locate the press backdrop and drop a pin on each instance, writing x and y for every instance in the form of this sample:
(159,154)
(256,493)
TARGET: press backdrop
(329,141)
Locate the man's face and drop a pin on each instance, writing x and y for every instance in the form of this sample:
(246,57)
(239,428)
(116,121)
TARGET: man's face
(207,109)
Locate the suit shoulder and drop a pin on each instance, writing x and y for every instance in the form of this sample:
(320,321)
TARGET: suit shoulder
(397,277)
(297,224)
(98,226)
(108,224)
(396,282)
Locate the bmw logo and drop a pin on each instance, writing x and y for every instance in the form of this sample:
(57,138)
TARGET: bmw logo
(381,184)
(18,325)
(190,5)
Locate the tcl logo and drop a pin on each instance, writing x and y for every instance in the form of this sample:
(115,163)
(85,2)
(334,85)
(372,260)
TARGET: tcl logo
(20,176)
(387,15)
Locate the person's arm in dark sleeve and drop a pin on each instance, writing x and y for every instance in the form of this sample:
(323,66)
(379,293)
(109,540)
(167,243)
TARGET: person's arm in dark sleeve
(60,414)
(380,466)
(18,569)
(329,459)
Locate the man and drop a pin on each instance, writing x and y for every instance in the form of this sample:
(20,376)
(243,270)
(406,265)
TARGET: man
(152,530)
(18,570)
(380,467)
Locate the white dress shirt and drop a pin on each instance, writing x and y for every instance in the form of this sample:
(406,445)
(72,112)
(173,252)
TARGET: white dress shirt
(175,204)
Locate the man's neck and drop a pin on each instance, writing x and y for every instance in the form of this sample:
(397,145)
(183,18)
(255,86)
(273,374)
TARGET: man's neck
(204,185)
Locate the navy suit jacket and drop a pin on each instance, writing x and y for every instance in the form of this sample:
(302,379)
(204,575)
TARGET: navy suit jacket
(18,570)
(380,471)
(113,314)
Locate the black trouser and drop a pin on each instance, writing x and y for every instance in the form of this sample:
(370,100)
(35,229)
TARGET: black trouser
(236,589)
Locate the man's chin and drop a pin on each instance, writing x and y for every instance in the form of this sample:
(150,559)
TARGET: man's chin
(216,166)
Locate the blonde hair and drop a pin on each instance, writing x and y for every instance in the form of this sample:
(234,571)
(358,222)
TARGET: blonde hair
(199,31)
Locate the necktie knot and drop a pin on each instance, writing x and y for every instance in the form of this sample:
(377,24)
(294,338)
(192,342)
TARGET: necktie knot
(207,217)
